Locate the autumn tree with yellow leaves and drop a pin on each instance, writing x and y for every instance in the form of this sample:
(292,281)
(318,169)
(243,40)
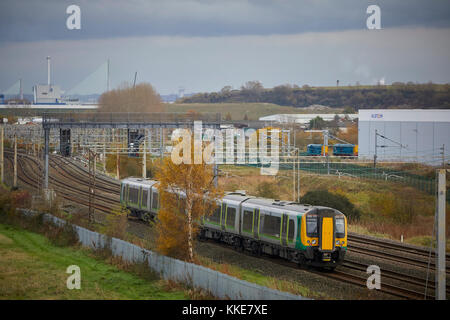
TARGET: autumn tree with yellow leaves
(187,194)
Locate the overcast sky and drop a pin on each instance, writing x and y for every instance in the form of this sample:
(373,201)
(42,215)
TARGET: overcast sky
(203,45)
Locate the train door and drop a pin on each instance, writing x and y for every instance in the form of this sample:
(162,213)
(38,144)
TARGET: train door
(255,228)
(140,198)
(284,229)
(122,193)
(223,215)
(326,225)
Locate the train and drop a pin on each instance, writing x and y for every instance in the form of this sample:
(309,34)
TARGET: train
(304,234)
(340,149)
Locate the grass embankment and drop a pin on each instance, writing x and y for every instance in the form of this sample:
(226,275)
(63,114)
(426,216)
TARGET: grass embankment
(31,267)
(254,276)
(237,111)
(388,209)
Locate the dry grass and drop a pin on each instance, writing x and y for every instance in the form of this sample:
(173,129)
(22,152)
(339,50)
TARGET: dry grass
(257,277)
(237,110)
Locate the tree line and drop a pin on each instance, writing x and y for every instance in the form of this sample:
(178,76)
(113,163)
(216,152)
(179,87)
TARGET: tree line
(398,95)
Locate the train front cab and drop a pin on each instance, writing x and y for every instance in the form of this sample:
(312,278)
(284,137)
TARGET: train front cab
(324,237)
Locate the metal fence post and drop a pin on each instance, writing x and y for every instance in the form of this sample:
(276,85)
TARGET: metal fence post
(440,237)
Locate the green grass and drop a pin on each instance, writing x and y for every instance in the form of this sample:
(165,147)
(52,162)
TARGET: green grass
(237,110)
(32,268)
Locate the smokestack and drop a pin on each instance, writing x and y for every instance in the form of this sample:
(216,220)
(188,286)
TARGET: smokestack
(48,70)
(21,91)
(107,76)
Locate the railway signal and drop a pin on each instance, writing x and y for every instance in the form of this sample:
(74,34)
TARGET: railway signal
(92,168)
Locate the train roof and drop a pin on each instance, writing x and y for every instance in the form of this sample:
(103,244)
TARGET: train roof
(140,181)
(240,197)
(343,145)
(280,205)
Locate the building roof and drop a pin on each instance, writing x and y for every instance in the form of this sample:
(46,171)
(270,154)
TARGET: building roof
(304,117)
(405,115)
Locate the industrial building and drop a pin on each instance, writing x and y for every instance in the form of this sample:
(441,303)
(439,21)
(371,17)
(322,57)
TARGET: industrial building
(304,118)
(412,135)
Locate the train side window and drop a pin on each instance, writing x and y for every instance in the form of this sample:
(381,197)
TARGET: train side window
(231,216)
(271,226)
(144,198)
(291,230)
(215,217)
(134,195)
(155,200)
(247,221)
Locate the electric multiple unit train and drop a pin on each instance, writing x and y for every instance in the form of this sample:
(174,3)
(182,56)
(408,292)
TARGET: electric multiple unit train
(304,234)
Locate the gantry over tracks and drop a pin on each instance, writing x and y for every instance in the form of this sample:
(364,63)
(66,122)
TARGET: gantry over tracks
(129,120)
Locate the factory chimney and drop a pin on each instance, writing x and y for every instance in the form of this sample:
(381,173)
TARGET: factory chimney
(48,70)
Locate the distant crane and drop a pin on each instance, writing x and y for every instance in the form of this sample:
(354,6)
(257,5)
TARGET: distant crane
(135,76)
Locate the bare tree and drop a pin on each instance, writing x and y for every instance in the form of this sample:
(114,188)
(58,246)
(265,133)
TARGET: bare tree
(126,98)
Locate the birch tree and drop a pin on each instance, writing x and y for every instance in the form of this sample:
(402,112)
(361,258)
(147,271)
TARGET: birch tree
(179,216)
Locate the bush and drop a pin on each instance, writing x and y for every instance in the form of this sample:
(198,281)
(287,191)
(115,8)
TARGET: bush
(11,200)
(116,223)
(400,210)
(332,200)
(267,190)
(21,199)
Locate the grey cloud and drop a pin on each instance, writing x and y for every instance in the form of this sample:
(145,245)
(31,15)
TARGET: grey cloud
(22,20)
(209,63)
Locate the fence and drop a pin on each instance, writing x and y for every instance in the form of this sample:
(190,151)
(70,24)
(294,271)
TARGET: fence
(422,183)
(218,284)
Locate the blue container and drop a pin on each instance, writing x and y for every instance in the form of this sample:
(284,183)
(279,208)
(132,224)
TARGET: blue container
(342,149)
(314,149)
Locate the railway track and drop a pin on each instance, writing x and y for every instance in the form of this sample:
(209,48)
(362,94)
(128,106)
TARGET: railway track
(345,273)
(354,237)
(70,172)
(66,189)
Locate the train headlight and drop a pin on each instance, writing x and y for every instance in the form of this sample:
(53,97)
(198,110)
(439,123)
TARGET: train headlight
(308,242)
(314,241)
(337,242)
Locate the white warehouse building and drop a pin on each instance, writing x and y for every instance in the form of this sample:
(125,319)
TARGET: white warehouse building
(413,135)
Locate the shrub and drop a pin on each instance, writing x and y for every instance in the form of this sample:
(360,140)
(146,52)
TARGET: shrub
(332,200)
(116,223)
(21,199)
(267,190)
(395,208)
